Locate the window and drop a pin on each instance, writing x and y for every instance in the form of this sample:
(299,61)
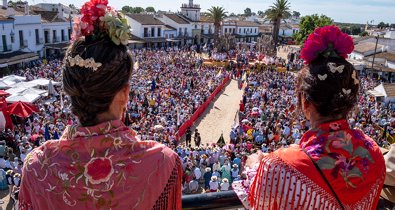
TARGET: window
(21,38)
(63,37)
(37,36)
(195,26)
(255,30)
(159,32)
(226,30)
(54,36)
(152,32)
(4,38)
(244,30)
(239,30)
(145,32)
(69,33)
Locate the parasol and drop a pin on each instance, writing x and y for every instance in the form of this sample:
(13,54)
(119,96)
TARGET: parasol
(22,109)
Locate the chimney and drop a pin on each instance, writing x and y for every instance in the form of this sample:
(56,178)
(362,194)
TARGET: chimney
(5,4)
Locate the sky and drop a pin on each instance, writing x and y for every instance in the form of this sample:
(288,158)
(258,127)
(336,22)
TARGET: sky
(349,11)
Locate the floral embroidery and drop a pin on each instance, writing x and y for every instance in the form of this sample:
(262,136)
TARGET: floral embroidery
(333,149)
(98,170)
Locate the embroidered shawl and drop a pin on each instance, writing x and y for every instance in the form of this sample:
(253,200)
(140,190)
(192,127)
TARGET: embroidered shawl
(287,179)
(101,167)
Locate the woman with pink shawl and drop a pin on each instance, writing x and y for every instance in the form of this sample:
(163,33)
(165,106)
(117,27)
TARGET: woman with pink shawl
(100,163)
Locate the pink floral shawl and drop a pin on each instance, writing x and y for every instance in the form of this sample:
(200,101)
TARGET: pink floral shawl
(100,167)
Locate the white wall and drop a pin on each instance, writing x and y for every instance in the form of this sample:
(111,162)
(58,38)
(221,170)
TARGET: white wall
(390,35)
(58,27)
(356,56)
(391,64)
(206,27)
(137,29)
(247,30)
(28,24)
(167,21)
(168,34)
(229,29)
(6,28)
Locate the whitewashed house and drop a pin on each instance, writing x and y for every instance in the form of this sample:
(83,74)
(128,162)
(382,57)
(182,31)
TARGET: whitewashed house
(183,27)
(147,28)
(362,50)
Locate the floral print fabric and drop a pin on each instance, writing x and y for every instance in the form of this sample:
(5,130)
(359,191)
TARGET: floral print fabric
(287,178)
(99,167)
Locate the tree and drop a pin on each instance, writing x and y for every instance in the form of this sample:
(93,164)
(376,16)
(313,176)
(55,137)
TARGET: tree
(232,14)
(247,12)
(278,11)
(355,30)
(381,25)
(138,10)
(150,9)
(126,9)
(365,33)
(261,13)
(308,24)
(296,14)
(346,30)
(217,14)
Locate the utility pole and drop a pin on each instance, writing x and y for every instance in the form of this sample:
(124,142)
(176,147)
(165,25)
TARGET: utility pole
(375,50)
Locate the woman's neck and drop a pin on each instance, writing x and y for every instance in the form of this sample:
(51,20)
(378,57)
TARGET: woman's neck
(316,120)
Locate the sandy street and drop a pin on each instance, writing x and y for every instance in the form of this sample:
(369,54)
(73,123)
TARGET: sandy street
(220,115)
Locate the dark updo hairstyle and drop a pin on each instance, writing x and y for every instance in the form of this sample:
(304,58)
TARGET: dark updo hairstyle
(332,94)
(92,92)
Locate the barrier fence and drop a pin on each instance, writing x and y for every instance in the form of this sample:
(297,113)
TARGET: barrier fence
(201,109)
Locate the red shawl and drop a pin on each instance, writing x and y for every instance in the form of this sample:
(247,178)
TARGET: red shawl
(351,162)
(101,167)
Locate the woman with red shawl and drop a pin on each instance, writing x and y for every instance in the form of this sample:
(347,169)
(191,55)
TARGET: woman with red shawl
(334,167)
(100,163)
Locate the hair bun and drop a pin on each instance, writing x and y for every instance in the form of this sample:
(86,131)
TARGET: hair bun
(327,41)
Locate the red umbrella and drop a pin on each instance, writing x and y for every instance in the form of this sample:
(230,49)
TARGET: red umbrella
(3,93)
(22,109)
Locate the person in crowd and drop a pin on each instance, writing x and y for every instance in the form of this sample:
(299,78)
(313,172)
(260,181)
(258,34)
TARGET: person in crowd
(207,177)
(99,161)
(214,184)
(225,185)
(225,170)
(188,136)
(193,186)
(342,166)
(235,171)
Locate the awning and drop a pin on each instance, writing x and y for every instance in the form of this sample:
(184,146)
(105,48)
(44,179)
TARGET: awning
(58,46)
(173,40)
(375,93)
(17,57)
(154,40)
(135,42)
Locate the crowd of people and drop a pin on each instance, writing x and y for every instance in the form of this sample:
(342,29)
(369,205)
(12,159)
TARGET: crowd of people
(167,86)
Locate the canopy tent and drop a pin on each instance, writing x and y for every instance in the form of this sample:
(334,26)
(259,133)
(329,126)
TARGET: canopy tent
(10,80)
(375,93)
(43,82)
(22,109)
(29,98)
(25,85)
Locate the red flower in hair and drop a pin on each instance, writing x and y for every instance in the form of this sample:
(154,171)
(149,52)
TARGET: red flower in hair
(327,41)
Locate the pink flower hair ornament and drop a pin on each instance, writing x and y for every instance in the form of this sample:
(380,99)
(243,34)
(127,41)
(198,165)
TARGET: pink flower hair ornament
(98,20)
(327,41)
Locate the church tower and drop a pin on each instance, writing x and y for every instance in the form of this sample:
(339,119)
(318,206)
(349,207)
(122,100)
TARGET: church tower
(191,11)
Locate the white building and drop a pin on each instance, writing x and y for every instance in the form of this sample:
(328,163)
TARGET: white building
(191,11)
(183,27)
(245,31)
(148,28)
(62,10)
(362,50)
(390,34)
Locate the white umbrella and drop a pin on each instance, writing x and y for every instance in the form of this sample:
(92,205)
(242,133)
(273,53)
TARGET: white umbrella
(30,98)
(255,109)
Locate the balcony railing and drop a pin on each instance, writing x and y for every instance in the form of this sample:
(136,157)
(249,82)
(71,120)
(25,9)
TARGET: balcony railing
(196,6)
(220,200)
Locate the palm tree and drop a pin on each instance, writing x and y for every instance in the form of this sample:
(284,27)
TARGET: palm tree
(217,14)
(278,11)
